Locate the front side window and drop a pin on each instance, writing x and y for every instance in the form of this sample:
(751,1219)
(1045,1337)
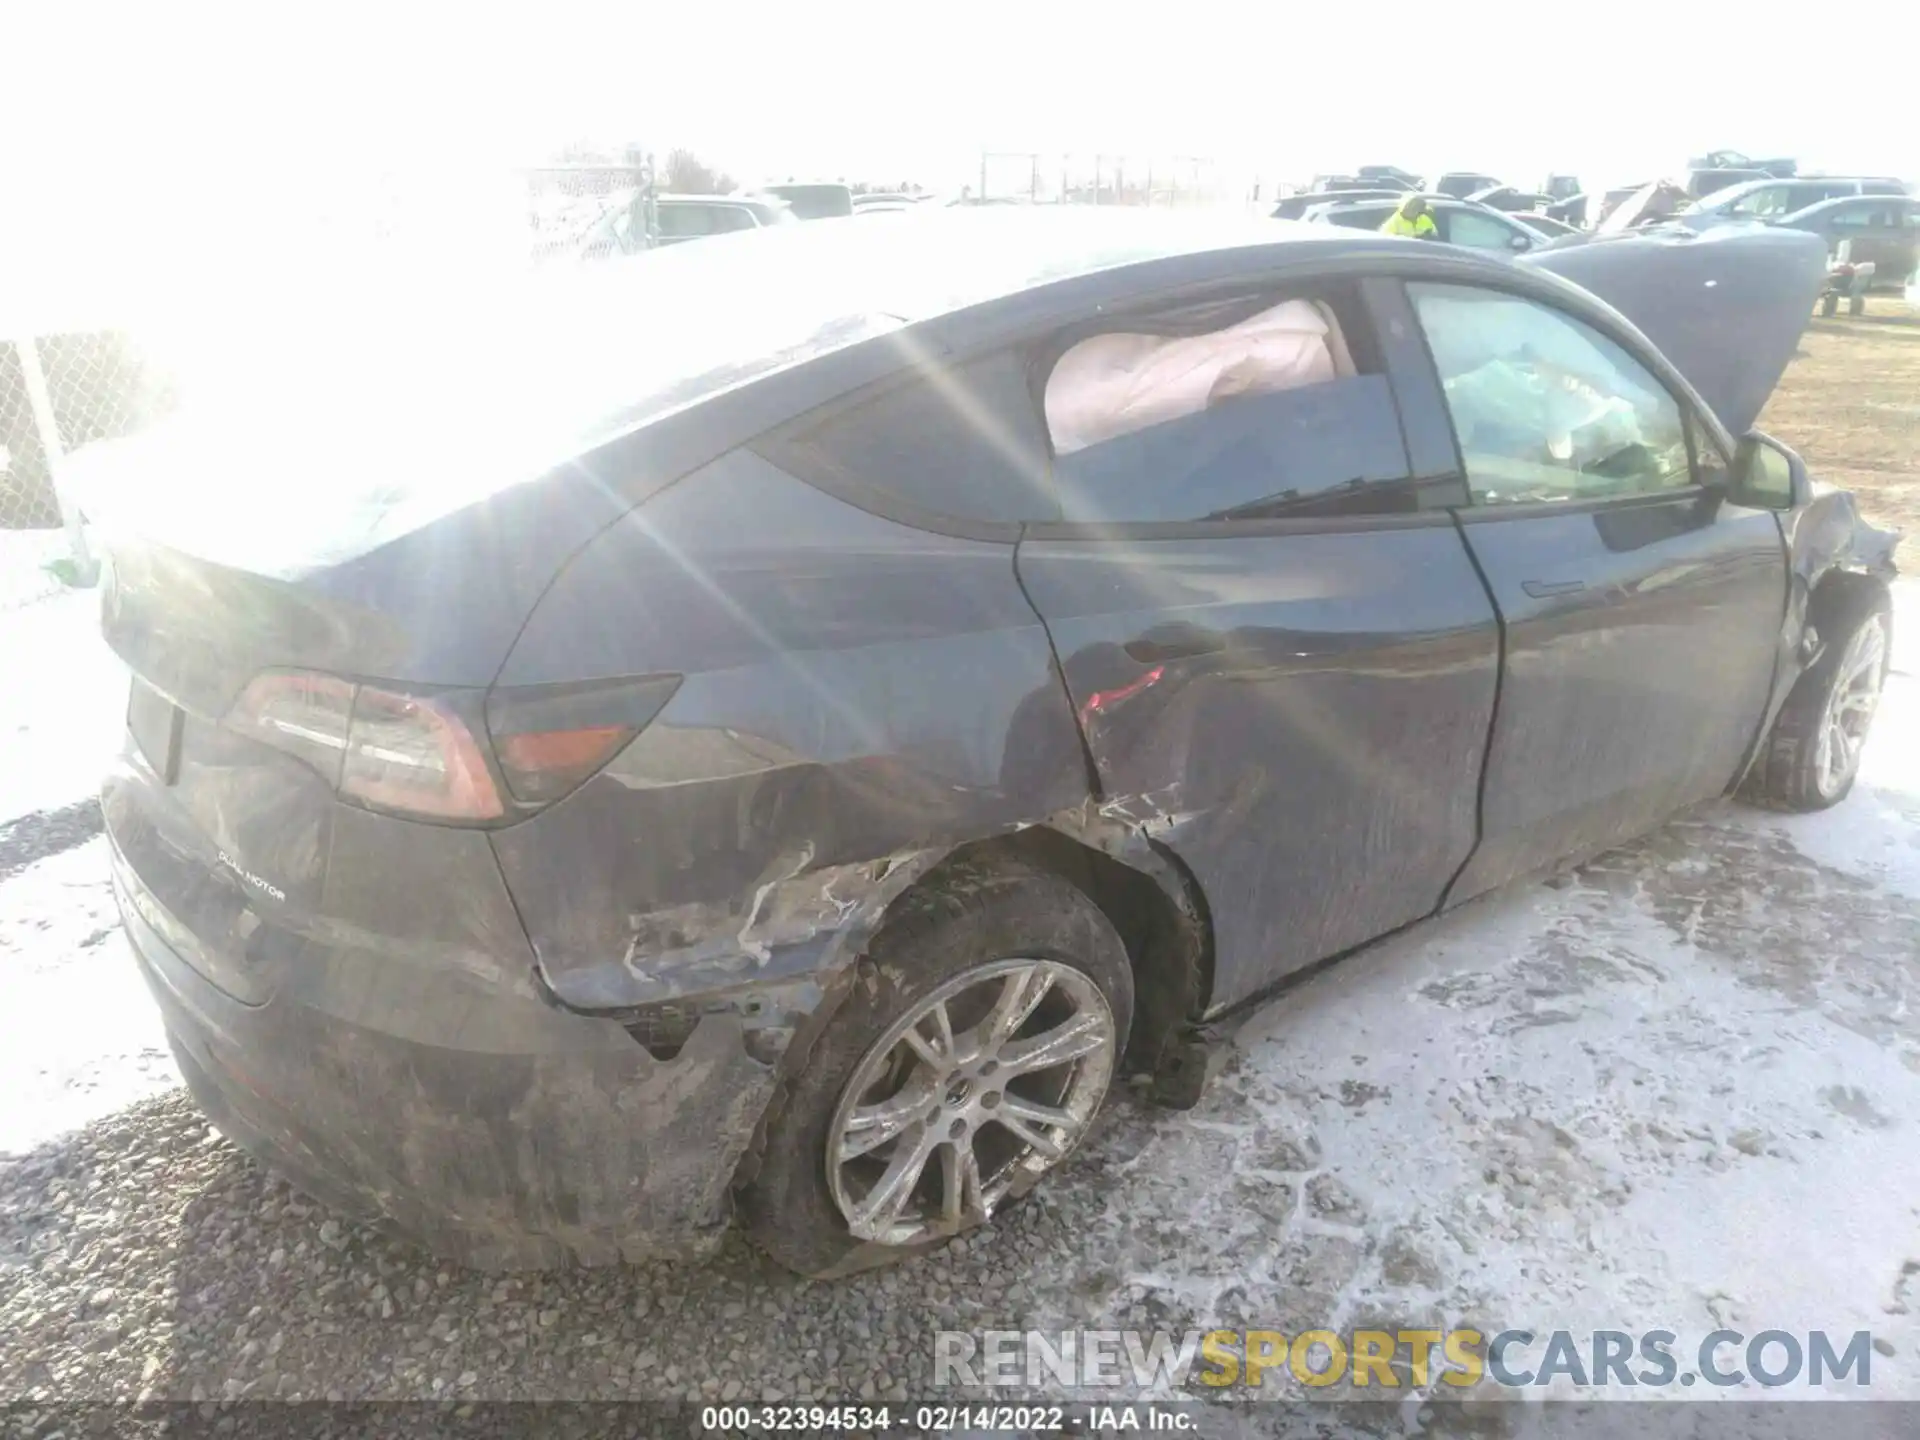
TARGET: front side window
(685,221)
(1544,407)
(732,217)
(1712,465)
(1768,200)
(1266,415)
(1479,232)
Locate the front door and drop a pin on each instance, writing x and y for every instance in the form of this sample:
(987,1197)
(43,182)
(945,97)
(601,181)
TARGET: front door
(1641,611)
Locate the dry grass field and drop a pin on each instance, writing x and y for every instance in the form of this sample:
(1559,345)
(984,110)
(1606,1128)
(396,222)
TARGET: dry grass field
(1851,405)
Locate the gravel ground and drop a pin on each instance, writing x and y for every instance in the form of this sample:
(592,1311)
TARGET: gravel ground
(1676,1087)
(1848,405)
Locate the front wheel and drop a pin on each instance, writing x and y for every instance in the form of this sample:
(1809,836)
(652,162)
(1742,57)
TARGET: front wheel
(1813,755)
(970,1058)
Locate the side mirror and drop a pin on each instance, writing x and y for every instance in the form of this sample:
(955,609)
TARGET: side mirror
(1767,475)
(1520,242)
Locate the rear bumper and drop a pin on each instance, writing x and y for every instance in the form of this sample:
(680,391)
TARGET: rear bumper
(496,1129)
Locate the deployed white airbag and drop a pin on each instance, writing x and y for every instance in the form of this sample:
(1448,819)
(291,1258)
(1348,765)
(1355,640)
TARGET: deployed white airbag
(1116,384)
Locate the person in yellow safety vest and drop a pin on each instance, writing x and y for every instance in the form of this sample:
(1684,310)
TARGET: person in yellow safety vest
(1412,219)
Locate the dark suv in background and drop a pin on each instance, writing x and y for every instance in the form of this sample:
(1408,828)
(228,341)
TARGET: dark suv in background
(1772,198)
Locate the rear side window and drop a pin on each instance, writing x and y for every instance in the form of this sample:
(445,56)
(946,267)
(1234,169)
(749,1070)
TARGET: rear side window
(1364,218)
(1282,412)
(965,443)
(1858,217)
(1881,216)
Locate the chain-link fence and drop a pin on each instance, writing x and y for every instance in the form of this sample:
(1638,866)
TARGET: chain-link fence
(462,213)
(587,210)
(57,393)
(1051,178)
(61,391)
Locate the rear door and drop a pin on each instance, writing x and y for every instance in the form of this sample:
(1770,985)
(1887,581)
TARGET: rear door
(1875,229)
(1641,610)
(1271,632)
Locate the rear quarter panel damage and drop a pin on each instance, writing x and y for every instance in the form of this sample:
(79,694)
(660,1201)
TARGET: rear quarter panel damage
(595,1153)
(420,1073)
(859,697)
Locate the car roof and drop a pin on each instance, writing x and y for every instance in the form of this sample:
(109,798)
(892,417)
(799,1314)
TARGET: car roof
(1841,202)
(1792,182)
(775,297)
(1481,195)
(1456,202)
(1355,192)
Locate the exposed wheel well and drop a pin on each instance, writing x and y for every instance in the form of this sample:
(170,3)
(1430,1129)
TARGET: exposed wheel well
(1840,596)
(1168,939)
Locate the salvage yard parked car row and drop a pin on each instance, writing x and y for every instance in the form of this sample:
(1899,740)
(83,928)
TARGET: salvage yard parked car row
(797,770)
(1878,230)
(1457,222)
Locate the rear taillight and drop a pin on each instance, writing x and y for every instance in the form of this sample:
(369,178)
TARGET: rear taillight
(416,756)
(303,714)
(550,738)
(426,756)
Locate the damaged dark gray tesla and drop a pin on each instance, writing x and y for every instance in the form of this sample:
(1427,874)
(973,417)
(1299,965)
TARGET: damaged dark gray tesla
(781,728)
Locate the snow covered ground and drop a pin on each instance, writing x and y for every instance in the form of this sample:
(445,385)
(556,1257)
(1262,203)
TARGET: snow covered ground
(24,576)
(1677,1088)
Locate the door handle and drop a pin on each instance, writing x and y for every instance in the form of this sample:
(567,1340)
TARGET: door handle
(1546,589)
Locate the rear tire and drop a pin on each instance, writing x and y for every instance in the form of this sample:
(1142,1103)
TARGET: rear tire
(950,957)
(1812,757)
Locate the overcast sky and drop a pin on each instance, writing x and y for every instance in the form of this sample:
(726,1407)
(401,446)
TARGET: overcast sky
(124,99)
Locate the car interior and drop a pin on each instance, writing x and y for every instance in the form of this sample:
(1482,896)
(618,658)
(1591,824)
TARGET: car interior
(1514,371)
(1119,382)
(1259,408)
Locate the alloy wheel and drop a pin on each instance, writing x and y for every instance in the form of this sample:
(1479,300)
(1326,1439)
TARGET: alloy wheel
(1851,703)
(985,1084)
